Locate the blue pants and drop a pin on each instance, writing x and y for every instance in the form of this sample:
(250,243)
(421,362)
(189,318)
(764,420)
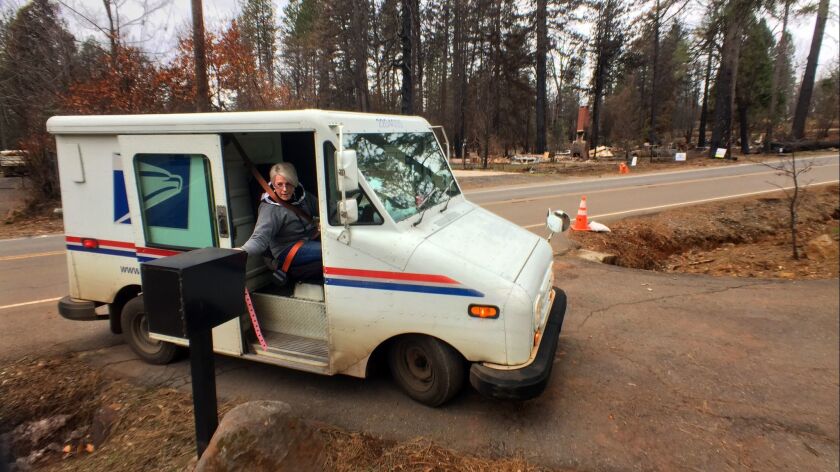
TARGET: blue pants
(308,253)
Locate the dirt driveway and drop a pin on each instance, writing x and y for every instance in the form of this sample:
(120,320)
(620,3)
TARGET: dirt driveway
(654,372)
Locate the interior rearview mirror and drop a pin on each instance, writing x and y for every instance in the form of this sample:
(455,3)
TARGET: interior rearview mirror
(348,211)
(348,171)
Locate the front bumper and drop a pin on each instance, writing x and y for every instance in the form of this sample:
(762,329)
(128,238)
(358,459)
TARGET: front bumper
(529,381)
(77,310)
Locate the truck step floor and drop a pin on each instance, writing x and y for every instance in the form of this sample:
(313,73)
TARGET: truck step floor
(289,345)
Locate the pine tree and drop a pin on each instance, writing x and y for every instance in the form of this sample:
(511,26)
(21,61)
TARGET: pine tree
(754,83)
(259,27)
(609,38)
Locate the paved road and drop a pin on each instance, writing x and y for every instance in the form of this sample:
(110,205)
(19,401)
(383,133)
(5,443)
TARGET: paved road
(655,371)
(33,276)
(621,196)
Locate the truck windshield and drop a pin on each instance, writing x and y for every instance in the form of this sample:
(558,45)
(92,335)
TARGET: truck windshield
(407,171)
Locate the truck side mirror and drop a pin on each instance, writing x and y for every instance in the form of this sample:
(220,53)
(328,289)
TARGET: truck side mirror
(348,170)
(557,221)
(348,210)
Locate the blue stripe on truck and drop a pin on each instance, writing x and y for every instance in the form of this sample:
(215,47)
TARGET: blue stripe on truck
(99,250)
(463,292)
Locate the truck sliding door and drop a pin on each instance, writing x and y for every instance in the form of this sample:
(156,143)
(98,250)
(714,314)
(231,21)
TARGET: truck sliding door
(177,202)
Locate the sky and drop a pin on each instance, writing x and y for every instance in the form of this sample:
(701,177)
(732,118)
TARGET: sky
(802,30)
(158,33)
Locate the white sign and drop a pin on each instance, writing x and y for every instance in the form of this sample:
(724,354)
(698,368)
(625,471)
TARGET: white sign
(680,156)
(720,153)
(633,162)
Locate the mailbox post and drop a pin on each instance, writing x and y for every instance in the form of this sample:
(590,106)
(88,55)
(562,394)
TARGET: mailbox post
(186,296)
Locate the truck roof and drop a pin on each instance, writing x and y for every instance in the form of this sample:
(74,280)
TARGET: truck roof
(253,121)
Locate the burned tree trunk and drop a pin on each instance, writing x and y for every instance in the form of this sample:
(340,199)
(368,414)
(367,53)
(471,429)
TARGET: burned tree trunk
(781,47)
(722,122)
(803,104)
(202,92)
(704,109)
(407,89)
(542,47)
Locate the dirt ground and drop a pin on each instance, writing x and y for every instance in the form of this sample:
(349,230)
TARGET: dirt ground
(97,423)
(31,226)
(151,428)
(748,237)
(18,219)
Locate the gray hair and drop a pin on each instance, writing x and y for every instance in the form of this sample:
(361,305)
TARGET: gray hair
(287,170)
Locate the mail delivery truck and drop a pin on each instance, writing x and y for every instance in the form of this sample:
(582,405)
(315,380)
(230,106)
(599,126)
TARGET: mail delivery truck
(414,274)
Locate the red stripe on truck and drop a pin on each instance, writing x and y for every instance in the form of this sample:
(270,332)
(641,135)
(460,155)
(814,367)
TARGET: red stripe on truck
(380,274)
(102,242)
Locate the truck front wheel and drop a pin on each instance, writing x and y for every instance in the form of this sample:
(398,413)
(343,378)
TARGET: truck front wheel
(135,326)
(428,370)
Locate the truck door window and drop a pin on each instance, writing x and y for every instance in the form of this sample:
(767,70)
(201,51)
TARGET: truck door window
(176,200)
(367,212)
(407,171)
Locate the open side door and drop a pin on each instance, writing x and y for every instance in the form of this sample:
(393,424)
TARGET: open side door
(177,201)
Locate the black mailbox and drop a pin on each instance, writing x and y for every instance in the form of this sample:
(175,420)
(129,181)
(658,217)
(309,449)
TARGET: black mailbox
(193,291)
(187,296)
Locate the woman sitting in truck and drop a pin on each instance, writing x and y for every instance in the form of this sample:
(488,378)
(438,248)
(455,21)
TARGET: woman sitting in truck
(287,229)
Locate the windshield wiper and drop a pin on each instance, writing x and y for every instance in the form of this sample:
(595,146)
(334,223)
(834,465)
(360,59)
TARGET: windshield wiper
(447,194)
(424,206)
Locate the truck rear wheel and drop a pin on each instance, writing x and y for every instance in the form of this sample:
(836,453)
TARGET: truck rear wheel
(135,326)
(428,370)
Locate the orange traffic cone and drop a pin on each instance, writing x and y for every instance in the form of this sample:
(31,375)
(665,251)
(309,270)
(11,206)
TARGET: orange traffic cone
(623,169)
(581,221)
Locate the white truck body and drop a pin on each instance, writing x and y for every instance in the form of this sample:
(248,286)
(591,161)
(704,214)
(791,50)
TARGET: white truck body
(141,187)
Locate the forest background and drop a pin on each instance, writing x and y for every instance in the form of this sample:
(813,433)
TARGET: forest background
(502,76)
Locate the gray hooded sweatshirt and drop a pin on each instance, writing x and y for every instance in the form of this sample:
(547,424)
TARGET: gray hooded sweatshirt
(278,228)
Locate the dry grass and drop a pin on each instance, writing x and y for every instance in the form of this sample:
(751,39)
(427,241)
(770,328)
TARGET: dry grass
(153,430)
(33,388)
(350,452)
(154,427)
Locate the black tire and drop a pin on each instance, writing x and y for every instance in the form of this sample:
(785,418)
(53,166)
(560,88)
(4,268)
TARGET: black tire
(135,328)
(428,370)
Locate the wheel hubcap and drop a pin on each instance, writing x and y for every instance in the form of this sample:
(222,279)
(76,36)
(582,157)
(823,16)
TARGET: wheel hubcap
(418,365)
(144,341)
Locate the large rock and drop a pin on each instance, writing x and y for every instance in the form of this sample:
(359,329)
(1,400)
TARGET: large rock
(263,436)
(103,422)
(822,248)
(594,256)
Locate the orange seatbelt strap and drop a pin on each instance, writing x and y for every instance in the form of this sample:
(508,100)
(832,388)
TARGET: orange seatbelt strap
(254,171)
(306,217)
(291,255)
